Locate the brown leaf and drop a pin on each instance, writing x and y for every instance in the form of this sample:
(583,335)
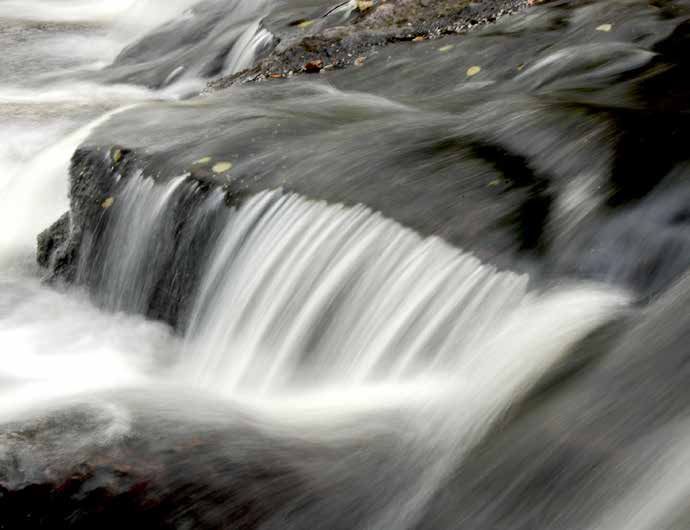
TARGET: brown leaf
(313,66)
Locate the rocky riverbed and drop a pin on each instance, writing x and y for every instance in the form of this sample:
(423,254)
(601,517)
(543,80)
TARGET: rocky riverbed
(478,129)
(399,264)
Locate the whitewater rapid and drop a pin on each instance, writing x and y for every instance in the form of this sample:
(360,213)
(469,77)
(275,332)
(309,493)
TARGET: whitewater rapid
(296,292)
(55,343)
(374,363)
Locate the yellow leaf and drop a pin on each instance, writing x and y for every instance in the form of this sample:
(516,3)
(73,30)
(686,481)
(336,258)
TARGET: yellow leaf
(221,167)
(305,23)
(364,5)
(203,161)
(117,155)
(446,48)
(473,70)
(605,27)
(107,203)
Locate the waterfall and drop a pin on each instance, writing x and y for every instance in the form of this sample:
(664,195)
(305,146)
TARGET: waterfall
(274,306)
(248,45)
(35,193)
(293,293)
(300,291)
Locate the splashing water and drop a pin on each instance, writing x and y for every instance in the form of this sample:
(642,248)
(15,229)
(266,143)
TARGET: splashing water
(299,294)
(376,378)
(309,292)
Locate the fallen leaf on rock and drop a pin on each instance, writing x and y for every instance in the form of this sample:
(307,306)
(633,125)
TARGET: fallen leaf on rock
(305,23)
(107,203)
(276,76)
(473,70)
(446,48)
(419,39)
(117,155)
(605,27)
(364,5)
(203,161)
(221,167)
(359,61)
(313,66)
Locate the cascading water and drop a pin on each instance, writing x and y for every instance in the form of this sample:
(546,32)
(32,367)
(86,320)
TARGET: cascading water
(245,341)
(309,314)
(310,292)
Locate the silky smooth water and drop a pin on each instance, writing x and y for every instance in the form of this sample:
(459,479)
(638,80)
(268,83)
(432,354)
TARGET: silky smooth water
(334,366)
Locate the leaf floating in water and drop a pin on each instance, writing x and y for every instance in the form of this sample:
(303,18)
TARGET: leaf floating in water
(203,161)
(107,203)
(221,167)
(473,70)
(605,27)
(446,48)
(305,23)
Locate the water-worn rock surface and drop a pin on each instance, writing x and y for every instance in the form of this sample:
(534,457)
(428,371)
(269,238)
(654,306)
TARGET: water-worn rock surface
(349,33)
(136,461)
(533,143)
(180,461)
(237,41)
(400,383)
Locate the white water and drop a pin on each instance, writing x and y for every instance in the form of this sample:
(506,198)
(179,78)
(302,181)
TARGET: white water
(302,296)
(311,292)
(243,52)
(55,344)
(338,310)
(310,314)
(35,192)
(298,295)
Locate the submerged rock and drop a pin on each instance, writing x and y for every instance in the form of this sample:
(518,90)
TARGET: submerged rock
(239,41)
(339,36)
(129,459)
(54,252)
(518,143)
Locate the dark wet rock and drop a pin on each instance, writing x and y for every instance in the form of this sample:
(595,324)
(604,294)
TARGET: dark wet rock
(80,247)
(534,163)
(174,459)
(131,460)
(52,245)
(339,39)
(58,245)
(630,406)
(246,41)
(206,41)
(555,155)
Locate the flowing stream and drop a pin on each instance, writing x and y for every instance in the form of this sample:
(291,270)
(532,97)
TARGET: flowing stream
(331,328)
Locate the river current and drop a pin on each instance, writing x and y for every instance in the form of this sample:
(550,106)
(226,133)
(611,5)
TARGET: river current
(336,366)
